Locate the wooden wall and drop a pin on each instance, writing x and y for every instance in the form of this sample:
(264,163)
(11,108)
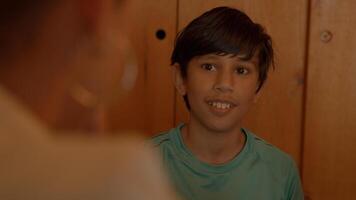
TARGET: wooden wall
(329,152)
(149,107)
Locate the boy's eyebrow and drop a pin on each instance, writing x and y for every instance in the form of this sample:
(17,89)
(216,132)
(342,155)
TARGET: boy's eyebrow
(249,62)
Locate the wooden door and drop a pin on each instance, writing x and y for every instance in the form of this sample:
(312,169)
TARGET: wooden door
(278,115)
(149,107)
(330,128)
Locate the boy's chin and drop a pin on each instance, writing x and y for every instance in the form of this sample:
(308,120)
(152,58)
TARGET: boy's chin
(223,127)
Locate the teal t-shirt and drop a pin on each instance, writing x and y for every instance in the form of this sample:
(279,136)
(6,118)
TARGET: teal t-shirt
(259,172)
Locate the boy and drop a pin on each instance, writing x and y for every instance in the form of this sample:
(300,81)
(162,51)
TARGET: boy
(221,60)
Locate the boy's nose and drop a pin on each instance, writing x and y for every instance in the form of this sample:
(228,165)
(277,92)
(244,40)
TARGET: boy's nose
(224,82)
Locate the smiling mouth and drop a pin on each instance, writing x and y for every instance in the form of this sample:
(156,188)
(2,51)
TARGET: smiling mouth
(221,105)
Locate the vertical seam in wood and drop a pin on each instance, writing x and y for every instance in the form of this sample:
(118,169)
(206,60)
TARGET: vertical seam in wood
(305,87)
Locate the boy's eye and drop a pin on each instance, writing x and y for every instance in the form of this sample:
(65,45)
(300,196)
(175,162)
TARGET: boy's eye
(208,67)
(242,70)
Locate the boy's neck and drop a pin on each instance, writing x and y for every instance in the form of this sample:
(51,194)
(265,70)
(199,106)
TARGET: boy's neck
(210,146)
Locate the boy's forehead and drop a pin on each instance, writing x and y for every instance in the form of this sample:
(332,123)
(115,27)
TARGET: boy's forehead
(238,57)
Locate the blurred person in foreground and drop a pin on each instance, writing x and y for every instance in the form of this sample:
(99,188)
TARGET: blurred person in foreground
(61,61)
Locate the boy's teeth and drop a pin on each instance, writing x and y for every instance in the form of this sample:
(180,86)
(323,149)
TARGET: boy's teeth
(220,105)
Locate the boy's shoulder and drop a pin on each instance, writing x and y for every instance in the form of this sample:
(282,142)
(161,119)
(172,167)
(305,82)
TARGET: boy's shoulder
(267,151)
(160,138)
(165,137)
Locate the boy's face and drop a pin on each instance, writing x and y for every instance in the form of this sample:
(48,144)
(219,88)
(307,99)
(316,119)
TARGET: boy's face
(220,90)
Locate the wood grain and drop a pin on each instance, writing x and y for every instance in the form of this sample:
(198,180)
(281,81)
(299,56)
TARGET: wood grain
(330,128)
(150,105)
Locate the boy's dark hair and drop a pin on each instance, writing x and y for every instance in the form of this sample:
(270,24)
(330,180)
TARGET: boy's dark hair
(223,31)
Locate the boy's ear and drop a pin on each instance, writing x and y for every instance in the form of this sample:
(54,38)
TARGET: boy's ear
(178,79)
(257,97)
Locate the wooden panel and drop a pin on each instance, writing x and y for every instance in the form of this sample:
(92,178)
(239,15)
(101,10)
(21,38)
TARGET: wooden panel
(150,105)
(160,90)
(330,128)
(278,115)
(129,112)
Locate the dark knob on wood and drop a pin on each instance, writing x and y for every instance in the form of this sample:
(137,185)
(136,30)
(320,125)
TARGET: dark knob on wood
(160,34)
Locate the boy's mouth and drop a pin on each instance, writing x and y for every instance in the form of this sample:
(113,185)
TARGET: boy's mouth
(222,105)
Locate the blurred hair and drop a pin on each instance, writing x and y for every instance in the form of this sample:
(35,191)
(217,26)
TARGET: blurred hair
(223,31)
(13,10)
(18,21)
